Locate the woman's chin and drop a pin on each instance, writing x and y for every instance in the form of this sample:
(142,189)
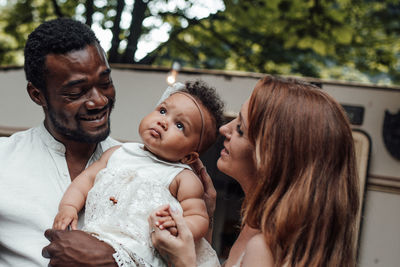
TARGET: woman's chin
(221,165)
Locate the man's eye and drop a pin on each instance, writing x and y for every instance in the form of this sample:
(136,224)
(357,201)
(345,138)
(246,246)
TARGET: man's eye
(106,84)
(163,111)
(74,96)
(180,126)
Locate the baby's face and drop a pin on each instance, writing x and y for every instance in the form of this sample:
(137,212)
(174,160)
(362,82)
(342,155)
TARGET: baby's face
(173,129)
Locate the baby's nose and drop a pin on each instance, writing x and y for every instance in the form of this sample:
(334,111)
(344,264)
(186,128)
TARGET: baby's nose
(163,124)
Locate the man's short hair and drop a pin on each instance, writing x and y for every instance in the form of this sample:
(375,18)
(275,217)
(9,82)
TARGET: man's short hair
(58,36)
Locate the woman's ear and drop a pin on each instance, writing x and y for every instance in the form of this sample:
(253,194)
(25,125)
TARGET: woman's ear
(190,158)
(36,95)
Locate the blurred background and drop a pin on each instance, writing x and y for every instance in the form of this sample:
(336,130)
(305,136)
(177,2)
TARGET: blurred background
(353,40)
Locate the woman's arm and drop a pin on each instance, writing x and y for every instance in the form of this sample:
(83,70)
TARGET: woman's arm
(75,196)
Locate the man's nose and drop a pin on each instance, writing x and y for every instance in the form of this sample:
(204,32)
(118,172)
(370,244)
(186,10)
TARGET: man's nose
(96,100)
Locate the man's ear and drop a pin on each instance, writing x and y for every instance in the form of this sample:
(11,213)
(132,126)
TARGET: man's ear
(190,158)
(36,95)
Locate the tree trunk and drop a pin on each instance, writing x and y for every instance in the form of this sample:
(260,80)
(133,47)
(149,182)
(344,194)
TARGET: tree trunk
(135,31)
(57,9)
(113,55)
(89,6)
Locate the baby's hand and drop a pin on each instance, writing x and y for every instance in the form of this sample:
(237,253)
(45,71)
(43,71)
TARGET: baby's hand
(67,215)
(166,222)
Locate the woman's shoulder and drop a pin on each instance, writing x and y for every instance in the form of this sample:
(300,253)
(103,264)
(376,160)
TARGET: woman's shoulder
(257,252)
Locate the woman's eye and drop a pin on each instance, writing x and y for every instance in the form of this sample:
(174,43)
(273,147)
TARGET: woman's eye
(180,126)
(240,132)
(163,111)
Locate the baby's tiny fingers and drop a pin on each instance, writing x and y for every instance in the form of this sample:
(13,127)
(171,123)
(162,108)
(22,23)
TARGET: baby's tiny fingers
(173,231)
(162,213)
(168,224)
(74,224)
(162,220)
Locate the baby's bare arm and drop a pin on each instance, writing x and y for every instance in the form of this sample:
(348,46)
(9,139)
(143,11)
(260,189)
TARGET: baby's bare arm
(189,192)
(75,196)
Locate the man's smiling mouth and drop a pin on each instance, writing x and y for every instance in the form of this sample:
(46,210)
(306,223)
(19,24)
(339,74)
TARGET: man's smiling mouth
(94,118)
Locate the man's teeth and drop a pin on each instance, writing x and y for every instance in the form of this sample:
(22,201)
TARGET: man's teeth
(92,118)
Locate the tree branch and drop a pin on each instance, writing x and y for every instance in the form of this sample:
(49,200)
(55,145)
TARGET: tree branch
(150,57)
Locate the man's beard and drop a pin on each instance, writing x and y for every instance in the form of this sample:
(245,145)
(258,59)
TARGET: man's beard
(79,134)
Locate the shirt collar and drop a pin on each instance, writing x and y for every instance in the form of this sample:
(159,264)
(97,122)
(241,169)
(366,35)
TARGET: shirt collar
(49,140)
(59,147)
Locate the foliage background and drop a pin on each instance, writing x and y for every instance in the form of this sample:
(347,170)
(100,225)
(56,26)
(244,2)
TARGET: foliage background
(355,40)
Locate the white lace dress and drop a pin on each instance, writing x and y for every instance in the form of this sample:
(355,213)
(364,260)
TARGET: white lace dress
(133,184)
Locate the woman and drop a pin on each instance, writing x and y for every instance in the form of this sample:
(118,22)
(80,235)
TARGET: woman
(292,152)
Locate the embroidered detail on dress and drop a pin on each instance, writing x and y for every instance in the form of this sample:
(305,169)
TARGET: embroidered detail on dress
(114,201)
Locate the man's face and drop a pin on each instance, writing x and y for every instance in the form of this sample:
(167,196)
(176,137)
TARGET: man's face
(80,95)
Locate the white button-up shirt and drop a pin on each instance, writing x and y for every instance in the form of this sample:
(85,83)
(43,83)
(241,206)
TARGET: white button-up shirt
(33,178)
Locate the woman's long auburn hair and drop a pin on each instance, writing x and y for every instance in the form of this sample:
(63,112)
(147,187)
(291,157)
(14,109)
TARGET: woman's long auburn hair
(306,200)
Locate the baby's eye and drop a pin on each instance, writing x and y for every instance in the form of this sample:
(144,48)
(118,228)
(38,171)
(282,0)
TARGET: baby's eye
(163,111)
(240,132)
(180,126)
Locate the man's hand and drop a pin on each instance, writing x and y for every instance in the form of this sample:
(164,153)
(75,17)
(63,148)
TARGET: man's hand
(76,248)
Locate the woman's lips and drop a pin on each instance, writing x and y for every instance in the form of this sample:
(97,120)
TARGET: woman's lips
(224,152)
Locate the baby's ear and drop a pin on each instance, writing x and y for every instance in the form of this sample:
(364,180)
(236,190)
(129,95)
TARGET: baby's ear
(190,158)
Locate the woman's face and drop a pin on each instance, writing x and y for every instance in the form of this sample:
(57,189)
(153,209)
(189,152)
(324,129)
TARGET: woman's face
(237,158)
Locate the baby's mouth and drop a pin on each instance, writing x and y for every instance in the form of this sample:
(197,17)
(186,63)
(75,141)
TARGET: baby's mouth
(155,133)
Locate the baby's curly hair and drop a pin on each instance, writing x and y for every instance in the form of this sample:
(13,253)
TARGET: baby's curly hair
(209,97)
(58,36)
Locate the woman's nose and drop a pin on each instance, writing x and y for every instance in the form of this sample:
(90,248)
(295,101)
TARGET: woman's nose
(225,130)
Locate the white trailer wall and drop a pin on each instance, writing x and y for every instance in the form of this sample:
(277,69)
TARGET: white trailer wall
(139,89)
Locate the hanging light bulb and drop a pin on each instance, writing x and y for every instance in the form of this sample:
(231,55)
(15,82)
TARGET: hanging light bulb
(171,78)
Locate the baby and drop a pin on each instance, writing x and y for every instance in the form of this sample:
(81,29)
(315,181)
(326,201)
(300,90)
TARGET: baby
(128,182)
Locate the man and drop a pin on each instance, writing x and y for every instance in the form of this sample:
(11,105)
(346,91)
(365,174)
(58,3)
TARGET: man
(69,77)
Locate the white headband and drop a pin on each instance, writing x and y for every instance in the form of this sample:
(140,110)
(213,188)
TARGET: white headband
(170,90)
